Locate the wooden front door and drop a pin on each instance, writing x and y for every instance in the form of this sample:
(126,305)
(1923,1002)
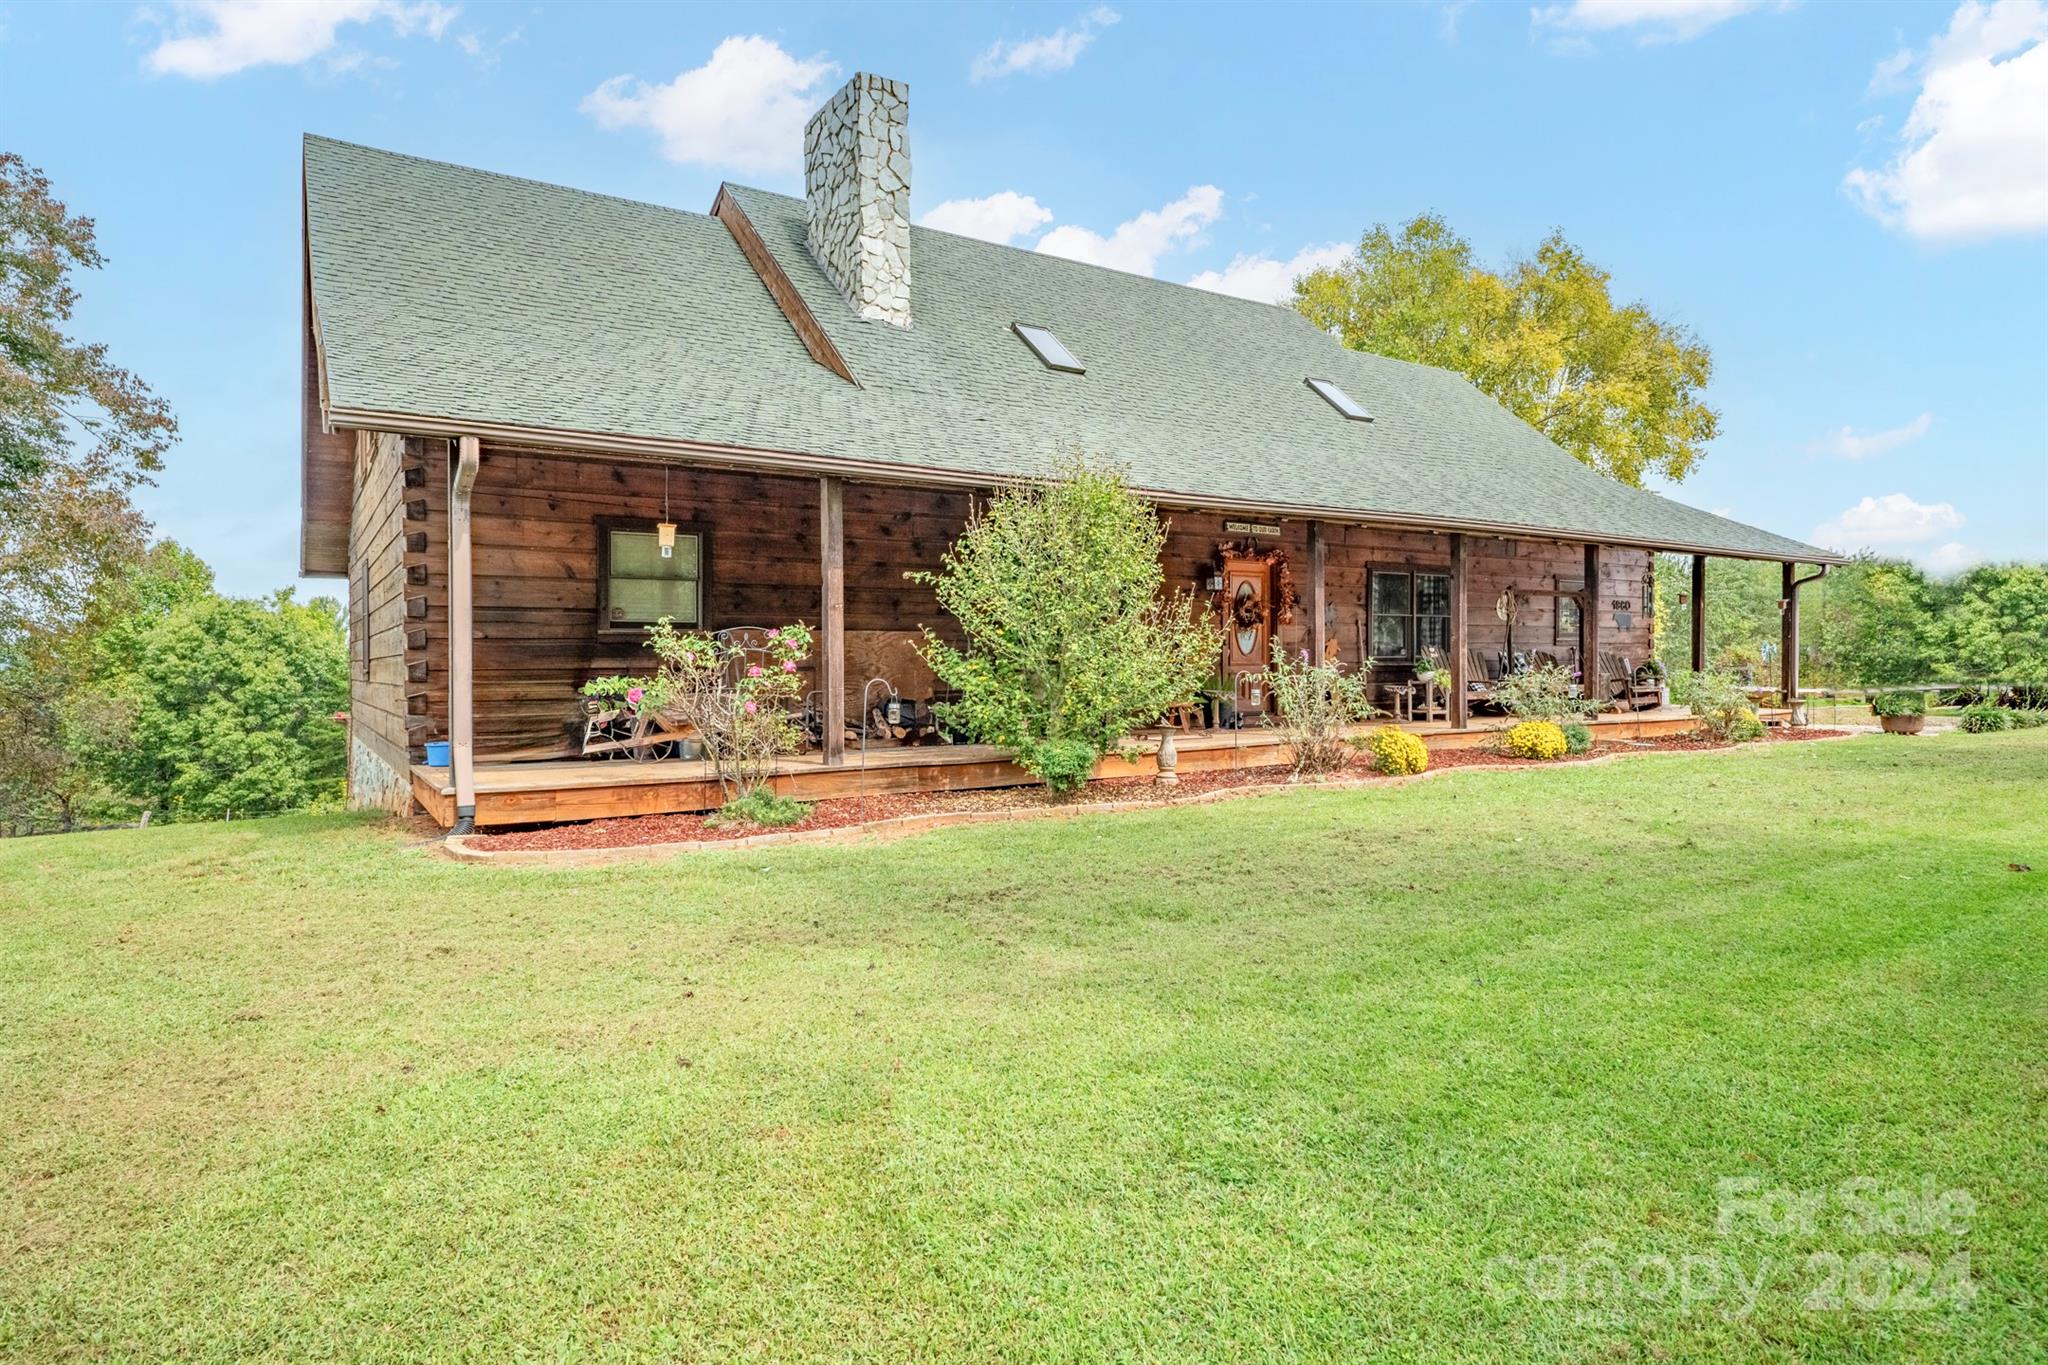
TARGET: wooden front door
(1247,629)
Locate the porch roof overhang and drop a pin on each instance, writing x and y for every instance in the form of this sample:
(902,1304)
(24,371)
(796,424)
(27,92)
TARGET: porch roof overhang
(600,445)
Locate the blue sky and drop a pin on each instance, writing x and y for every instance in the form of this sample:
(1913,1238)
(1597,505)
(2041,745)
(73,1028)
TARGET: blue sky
(1849,203)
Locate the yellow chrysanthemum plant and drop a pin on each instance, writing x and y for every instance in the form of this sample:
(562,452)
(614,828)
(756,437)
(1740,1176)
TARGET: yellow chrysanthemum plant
(1396,752)
(1536,739)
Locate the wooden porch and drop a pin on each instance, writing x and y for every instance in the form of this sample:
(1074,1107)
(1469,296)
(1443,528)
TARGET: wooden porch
(548,791)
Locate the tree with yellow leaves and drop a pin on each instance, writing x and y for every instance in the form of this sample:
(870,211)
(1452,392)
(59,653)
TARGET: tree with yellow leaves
(1614,385)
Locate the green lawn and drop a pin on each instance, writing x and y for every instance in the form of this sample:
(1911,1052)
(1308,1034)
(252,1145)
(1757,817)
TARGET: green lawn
(1314,1075)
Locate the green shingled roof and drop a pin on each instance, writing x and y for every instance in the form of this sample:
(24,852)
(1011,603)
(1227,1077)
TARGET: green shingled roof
(461,296)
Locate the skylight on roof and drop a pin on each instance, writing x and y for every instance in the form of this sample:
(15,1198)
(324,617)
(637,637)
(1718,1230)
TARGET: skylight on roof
(1338,399)
(1047,347)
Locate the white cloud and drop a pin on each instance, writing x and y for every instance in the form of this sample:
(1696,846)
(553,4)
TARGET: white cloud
(1655,21)
(1889,76)
(745,108)
(1890,521)
(1136,246)
(1001,217)
(1948,558)
(213,38)
(1056,51)
(1268,280)
(1850,444)
(1972,158)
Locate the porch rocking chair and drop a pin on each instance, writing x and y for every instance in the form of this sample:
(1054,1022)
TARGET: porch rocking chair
(1619,685)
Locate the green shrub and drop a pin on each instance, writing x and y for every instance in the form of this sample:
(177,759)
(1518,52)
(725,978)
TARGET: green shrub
(1899,702)
(1396,753)
(2028,717)
(1985,717)
(1578,738)
(1535,739)
(1546,693)
(1318,700)
(761,806)
(1062,764)
(1721,703)
(1071,643)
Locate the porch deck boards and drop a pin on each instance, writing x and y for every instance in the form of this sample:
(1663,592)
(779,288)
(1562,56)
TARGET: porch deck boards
(549,791)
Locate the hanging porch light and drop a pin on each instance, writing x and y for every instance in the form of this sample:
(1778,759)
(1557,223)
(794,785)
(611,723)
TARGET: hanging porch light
(665,530)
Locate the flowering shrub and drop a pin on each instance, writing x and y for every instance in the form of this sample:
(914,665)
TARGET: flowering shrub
(1535,739)
(1745,726)
(1396,752)
(738,700)
(1318,700)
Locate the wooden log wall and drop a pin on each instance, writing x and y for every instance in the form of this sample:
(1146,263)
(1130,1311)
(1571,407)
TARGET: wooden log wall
(536,529)
(377,668)
(1491,566)
(536,569)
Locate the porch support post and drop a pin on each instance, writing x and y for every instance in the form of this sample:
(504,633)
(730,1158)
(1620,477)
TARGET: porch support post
(1788,638)
(1589,627)
(1460,642)
(1699,613)
(462,633)
(832,615)
(1318,592)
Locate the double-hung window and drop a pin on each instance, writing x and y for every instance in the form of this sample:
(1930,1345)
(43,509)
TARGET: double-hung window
(641,585)
(1407,612)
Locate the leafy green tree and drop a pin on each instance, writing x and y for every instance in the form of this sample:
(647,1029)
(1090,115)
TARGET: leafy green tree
(235,700)
(1875,623)
(1613,384)
(76,431)
(1996,626)
(68,692)
(1071,642)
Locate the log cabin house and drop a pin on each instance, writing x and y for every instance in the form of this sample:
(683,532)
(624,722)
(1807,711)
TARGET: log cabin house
(509,385)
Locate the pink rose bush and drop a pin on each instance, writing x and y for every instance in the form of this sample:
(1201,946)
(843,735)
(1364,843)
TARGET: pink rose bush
(740,697)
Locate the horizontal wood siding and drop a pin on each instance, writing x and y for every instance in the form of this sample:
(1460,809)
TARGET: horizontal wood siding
(536,527)
(536,536)
(1491,567)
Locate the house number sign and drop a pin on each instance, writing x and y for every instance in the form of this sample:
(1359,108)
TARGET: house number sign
(1249,528)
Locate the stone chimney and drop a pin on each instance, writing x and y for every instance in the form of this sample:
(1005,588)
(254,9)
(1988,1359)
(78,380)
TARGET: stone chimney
(857,178)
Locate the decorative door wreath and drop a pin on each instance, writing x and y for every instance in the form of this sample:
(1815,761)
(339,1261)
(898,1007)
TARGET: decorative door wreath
(1250,611)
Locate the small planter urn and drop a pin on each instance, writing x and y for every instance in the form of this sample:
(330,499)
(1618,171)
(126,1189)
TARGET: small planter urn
(1169,759)
(1902,725)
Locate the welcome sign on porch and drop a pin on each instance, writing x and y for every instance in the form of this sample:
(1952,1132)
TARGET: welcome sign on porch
(1249,528)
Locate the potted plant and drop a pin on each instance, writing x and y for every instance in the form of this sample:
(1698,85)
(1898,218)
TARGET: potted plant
(1900,712)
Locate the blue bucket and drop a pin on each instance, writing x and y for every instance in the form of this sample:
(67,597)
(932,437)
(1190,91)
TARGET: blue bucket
(437,753)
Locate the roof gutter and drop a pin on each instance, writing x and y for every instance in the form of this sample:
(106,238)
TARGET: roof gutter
(664,448)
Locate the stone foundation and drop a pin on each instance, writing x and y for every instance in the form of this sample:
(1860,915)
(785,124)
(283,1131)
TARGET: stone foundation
(373,784)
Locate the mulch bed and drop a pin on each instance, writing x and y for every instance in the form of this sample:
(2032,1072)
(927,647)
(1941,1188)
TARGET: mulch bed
(844,812)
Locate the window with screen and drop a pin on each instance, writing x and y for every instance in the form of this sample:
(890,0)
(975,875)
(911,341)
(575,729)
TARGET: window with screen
(641,585)
(1407,612)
